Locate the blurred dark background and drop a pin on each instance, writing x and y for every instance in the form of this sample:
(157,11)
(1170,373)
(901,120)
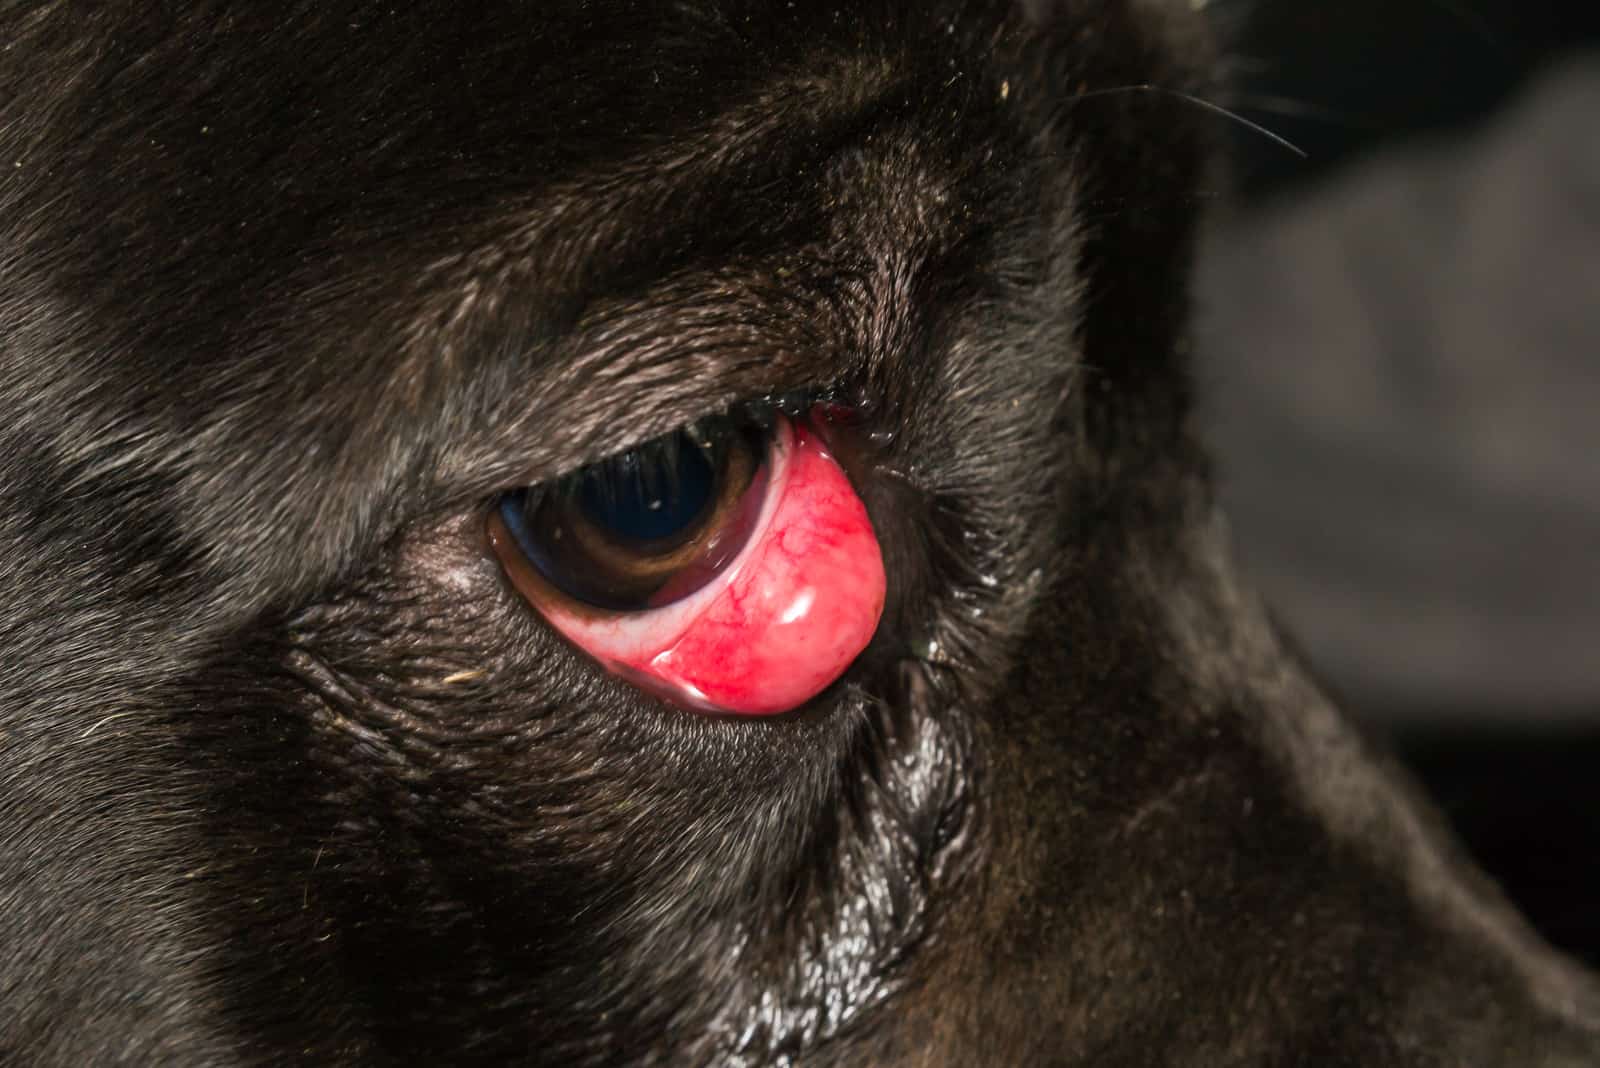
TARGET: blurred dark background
(1345,78)
(1400,355)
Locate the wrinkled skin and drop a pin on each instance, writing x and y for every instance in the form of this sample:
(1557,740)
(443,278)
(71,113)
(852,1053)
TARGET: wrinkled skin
(290,773)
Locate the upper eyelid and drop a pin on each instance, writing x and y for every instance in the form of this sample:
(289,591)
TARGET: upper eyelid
(636,370)
(632,366)
(638,363)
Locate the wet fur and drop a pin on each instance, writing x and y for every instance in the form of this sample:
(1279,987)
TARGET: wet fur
(289,774)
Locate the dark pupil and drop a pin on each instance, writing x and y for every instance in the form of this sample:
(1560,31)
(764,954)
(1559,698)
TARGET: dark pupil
(644,497)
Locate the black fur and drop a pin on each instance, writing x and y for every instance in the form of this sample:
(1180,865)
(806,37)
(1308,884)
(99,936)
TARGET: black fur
(289,774)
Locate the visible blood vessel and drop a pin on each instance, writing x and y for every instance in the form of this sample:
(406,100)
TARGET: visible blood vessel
(781,622)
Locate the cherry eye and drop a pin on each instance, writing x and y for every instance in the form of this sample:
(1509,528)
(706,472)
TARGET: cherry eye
(728,568)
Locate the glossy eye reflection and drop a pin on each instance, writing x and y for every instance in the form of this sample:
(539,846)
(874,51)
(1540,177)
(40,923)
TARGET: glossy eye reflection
(729,567)
(644,504)
(649,526)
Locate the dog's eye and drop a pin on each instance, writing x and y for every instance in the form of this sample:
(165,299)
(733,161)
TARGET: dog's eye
(730,566)
(648,527)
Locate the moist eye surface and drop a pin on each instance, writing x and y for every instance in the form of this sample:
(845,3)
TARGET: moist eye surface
(640,503)
(647,526)
(729,567)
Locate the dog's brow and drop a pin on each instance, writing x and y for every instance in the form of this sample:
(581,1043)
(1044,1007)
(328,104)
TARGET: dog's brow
(636,365)
(604,226)
(640,284)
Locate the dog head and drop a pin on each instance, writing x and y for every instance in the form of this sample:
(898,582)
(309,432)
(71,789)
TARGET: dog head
(292,301)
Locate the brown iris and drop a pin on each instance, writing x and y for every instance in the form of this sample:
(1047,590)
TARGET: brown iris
(646,527)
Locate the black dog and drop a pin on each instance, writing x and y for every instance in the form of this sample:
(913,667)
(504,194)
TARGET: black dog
(293,296)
